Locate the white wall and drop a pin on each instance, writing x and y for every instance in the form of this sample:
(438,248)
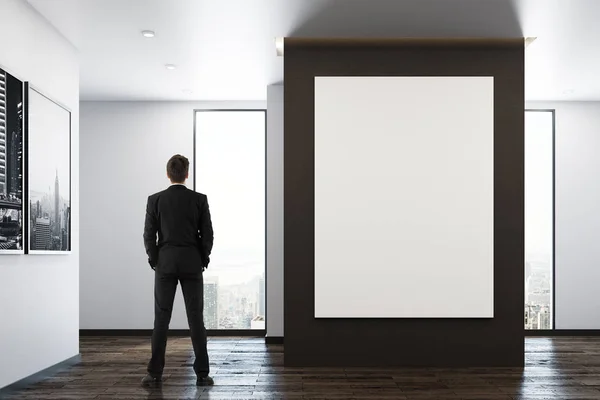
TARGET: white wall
(275,211)
(39,295)
(124,149)
(138,130)
(577,213)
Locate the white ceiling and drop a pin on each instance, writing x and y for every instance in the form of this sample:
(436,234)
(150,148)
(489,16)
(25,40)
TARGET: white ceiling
(224,49)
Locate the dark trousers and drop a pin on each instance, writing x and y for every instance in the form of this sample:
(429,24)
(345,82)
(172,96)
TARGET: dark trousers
(165,285)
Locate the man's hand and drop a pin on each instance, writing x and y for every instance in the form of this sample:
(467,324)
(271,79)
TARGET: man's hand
(152,264)
(205,266)
(205,230)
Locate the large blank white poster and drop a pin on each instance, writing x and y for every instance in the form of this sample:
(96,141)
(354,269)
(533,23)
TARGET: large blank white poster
(404,197)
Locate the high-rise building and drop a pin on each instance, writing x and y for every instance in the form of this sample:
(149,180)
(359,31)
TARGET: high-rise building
(42,234)
(211,302)
(2,132)
(19,155)
(68,227)
(14,155)
(56,222)
(64,242)
(544,319)
(12,164)
(13,137)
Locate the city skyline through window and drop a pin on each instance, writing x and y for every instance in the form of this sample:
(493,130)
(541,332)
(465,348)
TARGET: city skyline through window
(539,219)
(230,170)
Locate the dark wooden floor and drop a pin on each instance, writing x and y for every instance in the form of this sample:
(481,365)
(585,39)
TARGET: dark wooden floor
(560,368)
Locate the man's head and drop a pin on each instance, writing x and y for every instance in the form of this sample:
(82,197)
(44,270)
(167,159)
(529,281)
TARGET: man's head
(178,169)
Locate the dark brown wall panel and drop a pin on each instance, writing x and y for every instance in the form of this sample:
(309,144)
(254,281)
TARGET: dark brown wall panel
(404,342)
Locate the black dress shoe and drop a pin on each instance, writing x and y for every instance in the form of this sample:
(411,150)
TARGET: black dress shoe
(205,381)
(150,380)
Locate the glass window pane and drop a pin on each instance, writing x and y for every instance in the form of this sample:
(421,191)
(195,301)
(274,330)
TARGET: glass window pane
(230,170)
(539,224)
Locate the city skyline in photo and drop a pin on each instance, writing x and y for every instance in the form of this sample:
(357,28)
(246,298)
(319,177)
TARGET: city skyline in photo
(50,221)
(11,163)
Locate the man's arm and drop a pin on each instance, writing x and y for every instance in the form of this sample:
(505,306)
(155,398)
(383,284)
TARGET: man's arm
(150,231)
(206,231)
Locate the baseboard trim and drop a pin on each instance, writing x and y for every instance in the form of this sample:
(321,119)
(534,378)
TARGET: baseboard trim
(172,332)
(39,376)
(562,332)
(274,340)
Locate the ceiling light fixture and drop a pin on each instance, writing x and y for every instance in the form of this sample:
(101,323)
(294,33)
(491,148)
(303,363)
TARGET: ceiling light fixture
(529,40)
(148,34)
(170,66)
(279,46)
(187,91)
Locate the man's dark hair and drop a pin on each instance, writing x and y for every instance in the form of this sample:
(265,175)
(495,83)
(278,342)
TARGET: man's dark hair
(177,168)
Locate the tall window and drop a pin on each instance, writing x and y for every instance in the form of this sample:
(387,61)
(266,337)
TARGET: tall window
(230,170)
(539,219)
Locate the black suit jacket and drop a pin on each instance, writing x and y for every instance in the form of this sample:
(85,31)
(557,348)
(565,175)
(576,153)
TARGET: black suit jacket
(181,219)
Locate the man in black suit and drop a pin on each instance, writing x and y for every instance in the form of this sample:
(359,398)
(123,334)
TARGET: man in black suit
(181,218)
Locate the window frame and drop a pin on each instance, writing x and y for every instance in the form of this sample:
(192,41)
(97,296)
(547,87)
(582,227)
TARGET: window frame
(553,273)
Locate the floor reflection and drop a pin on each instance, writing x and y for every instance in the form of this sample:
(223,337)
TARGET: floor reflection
(112,368)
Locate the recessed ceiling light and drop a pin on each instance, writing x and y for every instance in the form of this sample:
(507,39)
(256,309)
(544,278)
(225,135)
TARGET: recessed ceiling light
(170,66)
(568,91)
(187,91)
(148,34)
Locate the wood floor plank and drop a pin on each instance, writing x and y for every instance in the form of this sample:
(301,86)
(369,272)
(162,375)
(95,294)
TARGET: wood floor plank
(112,367)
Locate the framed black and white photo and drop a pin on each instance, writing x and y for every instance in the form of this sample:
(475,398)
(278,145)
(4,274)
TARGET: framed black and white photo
(11,164)
(48,175)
